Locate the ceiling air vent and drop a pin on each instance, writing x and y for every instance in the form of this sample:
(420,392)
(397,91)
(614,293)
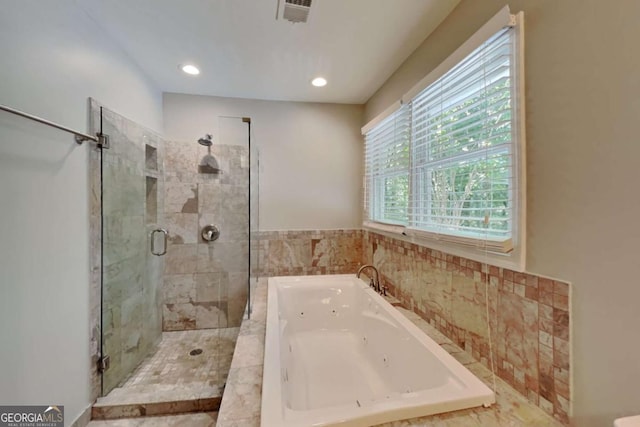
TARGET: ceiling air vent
(296,10)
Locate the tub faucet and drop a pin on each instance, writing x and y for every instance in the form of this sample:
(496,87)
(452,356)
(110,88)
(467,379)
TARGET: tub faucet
(374,284)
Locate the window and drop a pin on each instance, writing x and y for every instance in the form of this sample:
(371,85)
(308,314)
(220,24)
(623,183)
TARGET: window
(387,169)
(461,146)
(445,164)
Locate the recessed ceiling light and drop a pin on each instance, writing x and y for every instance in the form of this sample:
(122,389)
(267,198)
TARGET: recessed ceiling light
(319,82)
(190,69)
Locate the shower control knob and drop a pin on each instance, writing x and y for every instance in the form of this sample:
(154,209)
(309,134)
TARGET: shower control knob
(210,233)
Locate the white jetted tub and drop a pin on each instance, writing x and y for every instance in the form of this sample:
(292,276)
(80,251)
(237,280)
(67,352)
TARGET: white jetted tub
(338,354)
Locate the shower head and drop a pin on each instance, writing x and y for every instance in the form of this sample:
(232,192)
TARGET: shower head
(206,141)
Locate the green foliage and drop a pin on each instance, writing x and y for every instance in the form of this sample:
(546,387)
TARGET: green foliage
(463,171)
(471,191)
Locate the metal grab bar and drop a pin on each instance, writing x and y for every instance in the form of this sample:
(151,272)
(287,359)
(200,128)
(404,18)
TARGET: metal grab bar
(153,241)
(79,136)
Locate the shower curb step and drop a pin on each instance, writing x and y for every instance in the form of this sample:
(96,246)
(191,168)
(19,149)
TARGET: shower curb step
(134,410)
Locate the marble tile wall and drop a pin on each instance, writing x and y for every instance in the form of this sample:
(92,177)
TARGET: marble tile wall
(205,284)
(294,253)
(528,315)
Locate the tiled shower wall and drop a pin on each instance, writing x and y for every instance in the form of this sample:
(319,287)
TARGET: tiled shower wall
(205,284)
(528,314)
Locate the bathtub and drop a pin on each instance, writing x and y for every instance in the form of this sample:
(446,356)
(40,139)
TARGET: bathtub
(338,354)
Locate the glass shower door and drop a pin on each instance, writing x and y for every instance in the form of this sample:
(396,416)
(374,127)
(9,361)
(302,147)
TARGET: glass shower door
(254,216)
(233,215)
(132,215)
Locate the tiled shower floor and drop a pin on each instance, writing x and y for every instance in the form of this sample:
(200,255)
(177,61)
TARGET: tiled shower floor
(172,374)
(172,364)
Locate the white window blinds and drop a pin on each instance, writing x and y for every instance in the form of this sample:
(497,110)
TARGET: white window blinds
(462,149)
(446,164)
(387,167)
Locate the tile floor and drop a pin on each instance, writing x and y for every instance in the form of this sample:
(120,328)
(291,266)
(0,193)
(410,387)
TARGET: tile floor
(172,380)
(205,419)
(173,364)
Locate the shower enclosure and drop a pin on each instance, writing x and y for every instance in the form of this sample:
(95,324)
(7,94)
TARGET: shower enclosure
(177,220)
(132,184)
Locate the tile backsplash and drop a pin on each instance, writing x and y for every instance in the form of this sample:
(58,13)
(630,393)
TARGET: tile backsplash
(305,252)
(528,315)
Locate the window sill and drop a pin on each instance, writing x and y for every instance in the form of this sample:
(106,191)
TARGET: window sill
(514,260)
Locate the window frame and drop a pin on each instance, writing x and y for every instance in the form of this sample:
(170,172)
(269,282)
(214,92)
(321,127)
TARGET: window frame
(399,129)
(488,250)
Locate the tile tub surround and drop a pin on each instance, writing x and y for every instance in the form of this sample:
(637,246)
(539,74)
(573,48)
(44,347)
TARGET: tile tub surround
(529,315)
(205,284)
(242,398)
(341,344)
(309,252)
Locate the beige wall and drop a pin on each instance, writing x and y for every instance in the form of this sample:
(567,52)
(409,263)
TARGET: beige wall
(53,59)
(583,105)
(310,155)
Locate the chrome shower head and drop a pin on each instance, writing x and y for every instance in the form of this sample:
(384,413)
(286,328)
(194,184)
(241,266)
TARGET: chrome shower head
(206,140)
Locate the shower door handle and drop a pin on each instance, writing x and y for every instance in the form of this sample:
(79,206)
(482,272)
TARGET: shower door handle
(153,241)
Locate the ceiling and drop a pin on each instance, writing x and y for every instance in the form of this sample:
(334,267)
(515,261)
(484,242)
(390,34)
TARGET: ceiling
(243,51)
